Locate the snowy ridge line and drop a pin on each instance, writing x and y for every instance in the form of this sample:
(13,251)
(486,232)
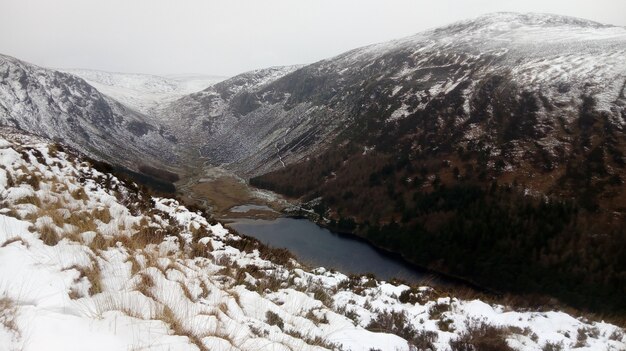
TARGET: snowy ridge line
(144,92)
(89,262)
(557,59)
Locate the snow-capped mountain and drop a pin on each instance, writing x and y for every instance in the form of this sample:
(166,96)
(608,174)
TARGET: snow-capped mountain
(524,101)
(465,83)
(519,115)
(64,107)
(89,262)
(143,92)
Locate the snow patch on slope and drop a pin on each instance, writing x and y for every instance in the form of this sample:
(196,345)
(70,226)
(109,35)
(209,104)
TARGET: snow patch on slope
(144,92)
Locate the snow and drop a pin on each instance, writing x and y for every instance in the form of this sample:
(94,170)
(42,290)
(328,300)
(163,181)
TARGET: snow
(63,107)
(538,52)
(144,92)
(51,291)
(193,288)
(399,113)
(160,296)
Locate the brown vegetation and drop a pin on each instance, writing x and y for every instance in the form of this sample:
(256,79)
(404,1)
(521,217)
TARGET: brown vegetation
(48,235)
(483,337)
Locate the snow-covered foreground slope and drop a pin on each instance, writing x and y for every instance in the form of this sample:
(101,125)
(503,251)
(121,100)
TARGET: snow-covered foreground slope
(143,92)
(88,262)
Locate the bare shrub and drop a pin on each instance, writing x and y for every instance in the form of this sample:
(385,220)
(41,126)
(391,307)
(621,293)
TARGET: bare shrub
(397,323)
(438,309)
(247,244)
(310,315)
(552,346)
(312,340)
(414,296)
(320,294)
(445,324)
(616,335)
(481,336)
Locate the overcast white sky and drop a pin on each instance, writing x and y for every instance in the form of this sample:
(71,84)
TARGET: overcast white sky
(231,36)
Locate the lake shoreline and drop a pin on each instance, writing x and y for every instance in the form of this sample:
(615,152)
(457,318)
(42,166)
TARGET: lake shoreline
(427,275)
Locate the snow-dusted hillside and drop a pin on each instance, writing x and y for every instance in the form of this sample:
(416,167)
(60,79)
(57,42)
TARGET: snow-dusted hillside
(88,262)
(466,81)
(143,92)
(62,106)
(211,113)
(465,84)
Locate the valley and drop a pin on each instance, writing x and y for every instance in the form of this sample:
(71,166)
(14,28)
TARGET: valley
(402,143)
(102,258)
(491,150)
(220,191)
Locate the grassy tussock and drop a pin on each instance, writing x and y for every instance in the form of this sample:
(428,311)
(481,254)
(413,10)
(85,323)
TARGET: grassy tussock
(101,214)
(146,235)
(100,243)
(12,240)
(93,275)
(28,200)
(273,318)
(95,279)
(53,210)
(82,221)
(197,249)
(8,313)
(188,294)
(79,194)
(145,285)
(135,267)
(48,235)
(26,176)
(178,327)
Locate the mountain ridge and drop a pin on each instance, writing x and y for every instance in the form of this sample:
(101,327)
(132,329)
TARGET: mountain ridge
(63,106)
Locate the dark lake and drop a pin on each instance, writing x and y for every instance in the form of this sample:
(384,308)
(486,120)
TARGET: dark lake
(317,246)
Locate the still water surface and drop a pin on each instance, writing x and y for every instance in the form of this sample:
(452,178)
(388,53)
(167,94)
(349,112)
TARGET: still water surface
(318,246)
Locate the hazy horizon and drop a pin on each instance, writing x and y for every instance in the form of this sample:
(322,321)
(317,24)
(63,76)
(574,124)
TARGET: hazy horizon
(227,38)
